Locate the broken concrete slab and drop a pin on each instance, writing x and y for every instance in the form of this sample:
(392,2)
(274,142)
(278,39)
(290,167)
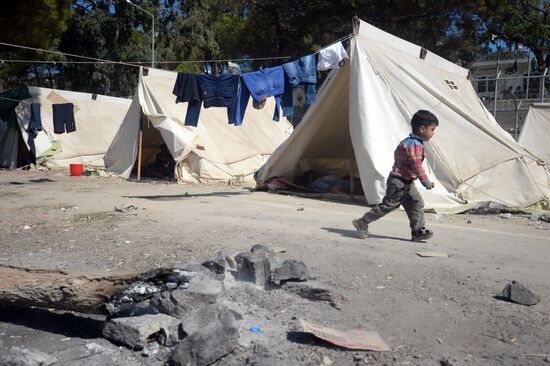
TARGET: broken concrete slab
(253,267)
(18,356)
(311,290)
(135,332)
(207,345)
(290,270)
(516,292)
(200,317)
(202,290)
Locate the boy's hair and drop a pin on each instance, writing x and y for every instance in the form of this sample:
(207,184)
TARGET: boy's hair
(423,118)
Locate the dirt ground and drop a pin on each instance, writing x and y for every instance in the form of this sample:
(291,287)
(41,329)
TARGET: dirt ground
(426,309)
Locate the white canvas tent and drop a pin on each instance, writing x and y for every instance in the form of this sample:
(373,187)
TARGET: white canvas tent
(212,151)
(97,119)
(364,109)
(535,134)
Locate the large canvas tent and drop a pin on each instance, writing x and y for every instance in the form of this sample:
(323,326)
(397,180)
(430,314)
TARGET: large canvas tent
(364,110)
(535,134)
(212,151)
(97,118)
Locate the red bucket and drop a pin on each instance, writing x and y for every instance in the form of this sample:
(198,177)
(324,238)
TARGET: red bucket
(76,169)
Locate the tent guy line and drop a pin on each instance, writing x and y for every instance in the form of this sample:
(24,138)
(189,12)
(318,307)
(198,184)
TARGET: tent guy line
(140,63)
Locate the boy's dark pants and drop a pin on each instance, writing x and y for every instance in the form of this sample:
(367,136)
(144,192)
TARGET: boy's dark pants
(399,193)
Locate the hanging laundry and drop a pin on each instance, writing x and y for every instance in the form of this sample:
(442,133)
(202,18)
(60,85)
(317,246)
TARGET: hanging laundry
(187,90)
(210,90)
(63,118)
(261,84)
(35,123)
(300,72)
(331,56)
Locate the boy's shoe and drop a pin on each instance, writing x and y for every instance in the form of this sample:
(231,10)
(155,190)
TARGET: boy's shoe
(362,228)
(422,234)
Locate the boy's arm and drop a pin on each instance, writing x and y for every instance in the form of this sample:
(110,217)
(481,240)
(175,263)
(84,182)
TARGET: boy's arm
(416,155)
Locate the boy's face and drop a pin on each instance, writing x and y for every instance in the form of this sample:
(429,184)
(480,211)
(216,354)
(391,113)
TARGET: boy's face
(426,132)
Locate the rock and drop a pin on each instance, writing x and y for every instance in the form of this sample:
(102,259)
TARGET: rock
(200,317)
(253,267)
(311,290)
(202,290)
(135,332)
(207,345)
(134,309)
(17,356)
(262,250)
(516,292)
(290,270)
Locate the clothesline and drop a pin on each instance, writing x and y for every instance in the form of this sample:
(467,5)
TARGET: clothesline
(140,63)
(15,100)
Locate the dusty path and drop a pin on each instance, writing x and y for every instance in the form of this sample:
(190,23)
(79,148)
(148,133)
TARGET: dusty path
(425,308)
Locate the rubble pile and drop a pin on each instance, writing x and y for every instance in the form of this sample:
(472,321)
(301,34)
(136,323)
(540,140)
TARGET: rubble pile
(200,313)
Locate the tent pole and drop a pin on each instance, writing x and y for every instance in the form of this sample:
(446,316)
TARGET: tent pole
(351,178)
(140,144)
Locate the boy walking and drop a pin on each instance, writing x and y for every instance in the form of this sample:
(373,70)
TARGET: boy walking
(400,189)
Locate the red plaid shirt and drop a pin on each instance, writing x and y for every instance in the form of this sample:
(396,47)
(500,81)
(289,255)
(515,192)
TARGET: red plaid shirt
(409,156)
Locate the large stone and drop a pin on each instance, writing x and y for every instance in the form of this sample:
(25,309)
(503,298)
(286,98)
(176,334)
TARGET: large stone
(311,290)
(207,345)
(135,332)
(290,270)
(223,262)
(199,317)
(202,290)
(17,356)
(516,292)
(253,267)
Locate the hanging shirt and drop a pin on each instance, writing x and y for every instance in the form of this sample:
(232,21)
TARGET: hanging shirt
(261,84)
(300,72)
(331,56)
(63,118)
(186,88)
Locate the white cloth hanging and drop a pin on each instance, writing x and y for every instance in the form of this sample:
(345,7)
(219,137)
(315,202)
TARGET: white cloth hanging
(331,56)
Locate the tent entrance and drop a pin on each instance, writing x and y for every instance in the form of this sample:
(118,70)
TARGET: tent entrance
(156,160)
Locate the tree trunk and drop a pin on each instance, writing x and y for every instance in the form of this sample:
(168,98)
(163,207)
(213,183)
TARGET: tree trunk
(81,292)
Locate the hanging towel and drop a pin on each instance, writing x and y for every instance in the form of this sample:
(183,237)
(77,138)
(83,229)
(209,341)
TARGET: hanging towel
(261,84)
(331,56)
(300,72)
(63,118)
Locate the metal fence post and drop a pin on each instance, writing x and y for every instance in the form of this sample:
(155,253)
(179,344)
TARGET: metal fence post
(542,85)
(496,96)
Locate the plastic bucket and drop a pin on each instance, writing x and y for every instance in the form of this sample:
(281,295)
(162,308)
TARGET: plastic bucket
(76,169)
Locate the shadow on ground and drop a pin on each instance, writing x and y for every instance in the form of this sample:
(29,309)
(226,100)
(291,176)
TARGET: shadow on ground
(187,195)
(67,324)
(353,234)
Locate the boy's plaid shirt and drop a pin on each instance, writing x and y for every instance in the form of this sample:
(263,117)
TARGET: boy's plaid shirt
(409,156)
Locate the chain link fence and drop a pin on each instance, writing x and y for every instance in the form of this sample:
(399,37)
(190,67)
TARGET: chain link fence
(509,97)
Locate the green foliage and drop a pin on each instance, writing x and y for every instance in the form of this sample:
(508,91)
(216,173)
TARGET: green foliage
(33,23)
(229,29)
(519,22)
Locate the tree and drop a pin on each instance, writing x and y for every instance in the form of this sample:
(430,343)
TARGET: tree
(32,23)
(519,22)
